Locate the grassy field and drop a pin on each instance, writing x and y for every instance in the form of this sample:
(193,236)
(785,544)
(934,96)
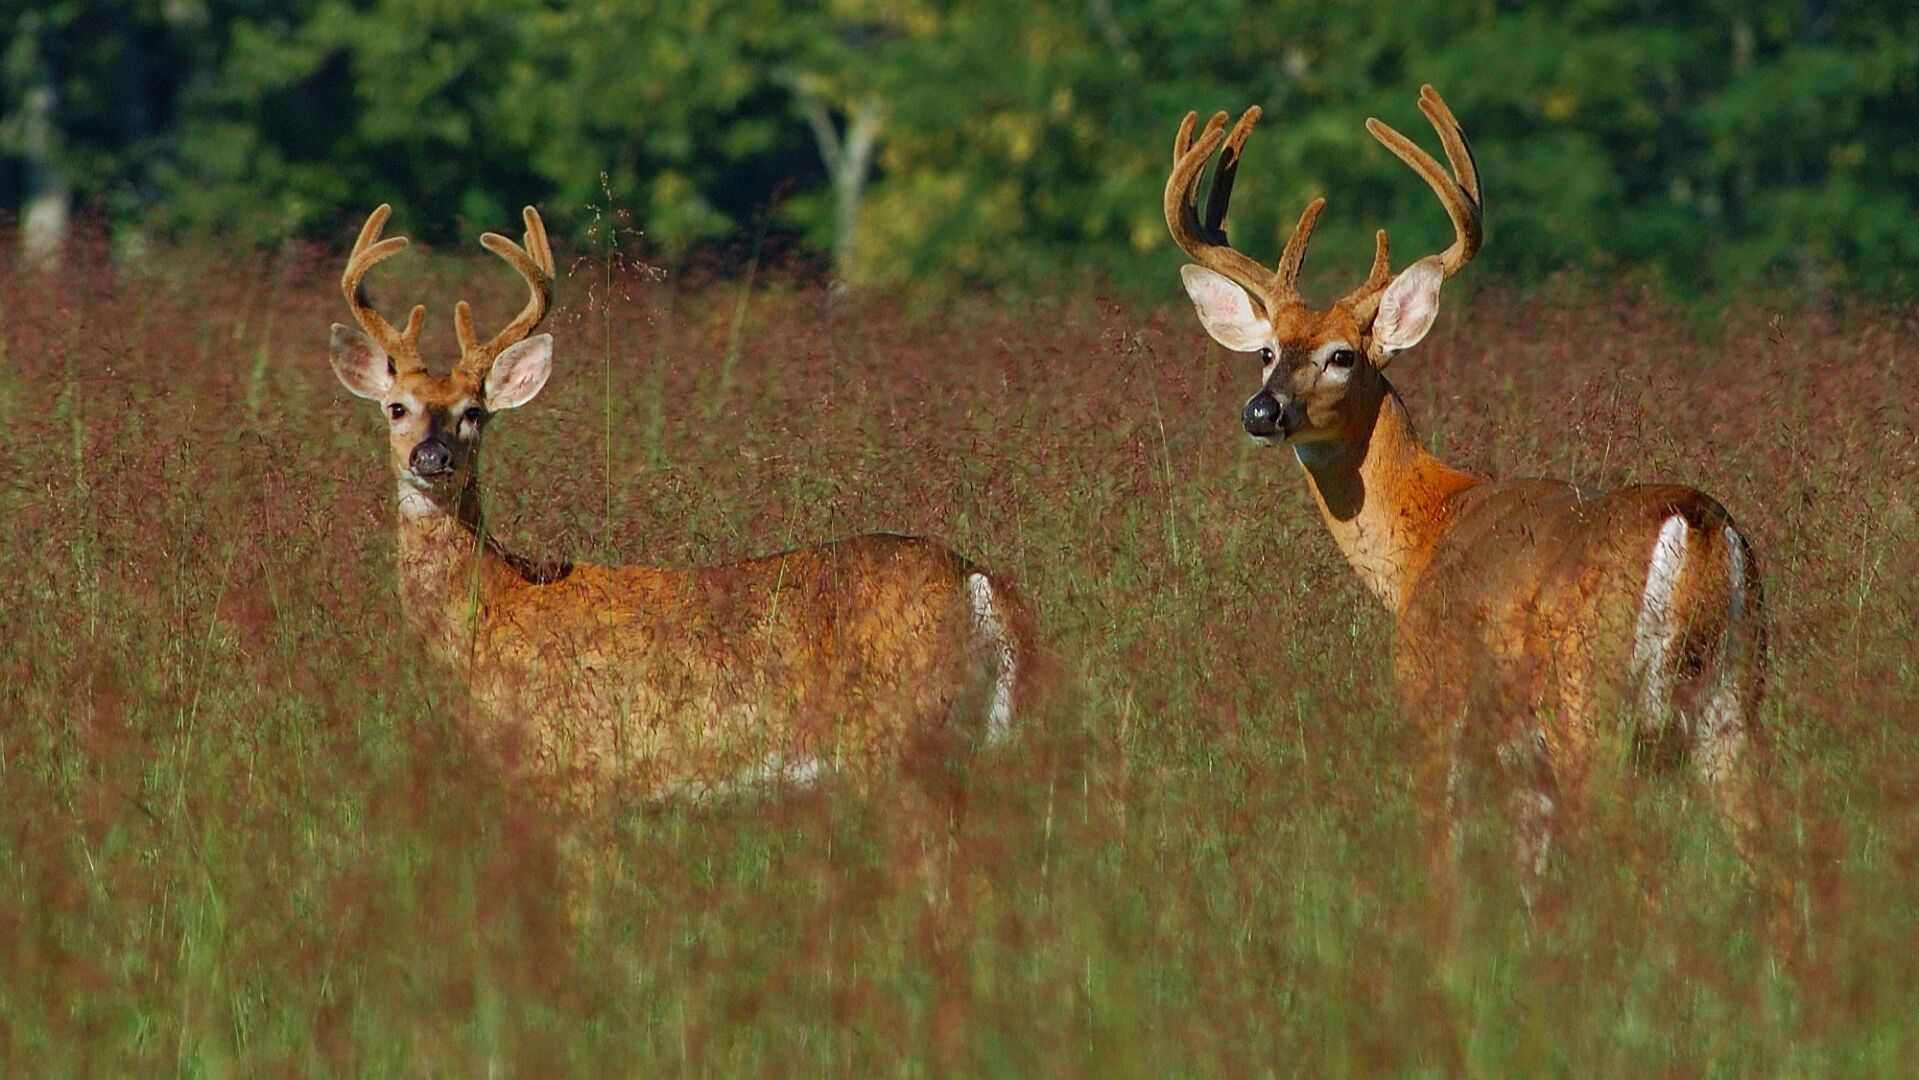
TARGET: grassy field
(241,832)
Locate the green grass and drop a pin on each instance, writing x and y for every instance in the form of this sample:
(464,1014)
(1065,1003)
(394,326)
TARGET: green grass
(241,831)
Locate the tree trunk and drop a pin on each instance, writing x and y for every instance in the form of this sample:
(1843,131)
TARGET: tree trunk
(849,181)
(46,210)
(849,163)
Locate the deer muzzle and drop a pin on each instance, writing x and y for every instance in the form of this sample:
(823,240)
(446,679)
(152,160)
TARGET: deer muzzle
(1264,416)
(431,459)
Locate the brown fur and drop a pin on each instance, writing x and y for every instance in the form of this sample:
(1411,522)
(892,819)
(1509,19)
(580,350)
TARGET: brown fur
(603,683)
(1516,604)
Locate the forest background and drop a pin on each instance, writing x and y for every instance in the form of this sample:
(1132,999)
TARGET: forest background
(1705,147)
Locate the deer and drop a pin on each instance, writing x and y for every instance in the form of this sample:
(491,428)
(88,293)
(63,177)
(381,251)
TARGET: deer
(597,684)
(1529,616)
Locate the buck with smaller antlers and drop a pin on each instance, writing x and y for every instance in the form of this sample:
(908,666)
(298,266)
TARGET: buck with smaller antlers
(631,681)
(1527,612)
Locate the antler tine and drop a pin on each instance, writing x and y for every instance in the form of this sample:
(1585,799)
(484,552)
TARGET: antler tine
(1381,273)
(1226,171)
(370,232)
(402,346)
(539,281)
(1212,224)
(1458,151)
(1363,301)
(463,329)
(1294,255)
(1183,141)
(1459,193)
(535,241)
(1205,239)
(534,262)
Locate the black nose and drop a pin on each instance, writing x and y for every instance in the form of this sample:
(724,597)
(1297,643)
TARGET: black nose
(1261,415)
(431,458)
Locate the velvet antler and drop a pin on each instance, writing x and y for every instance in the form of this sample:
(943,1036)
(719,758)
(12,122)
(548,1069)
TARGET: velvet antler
(1204,238)
(402,346)
(1459,193)
(534,262)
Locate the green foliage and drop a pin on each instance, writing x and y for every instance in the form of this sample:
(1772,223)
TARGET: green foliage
(1708,144)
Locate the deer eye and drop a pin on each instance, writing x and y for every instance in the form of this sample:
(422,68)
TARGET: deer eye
(1265,357)
(1342,358)
(472,414)
(396,410)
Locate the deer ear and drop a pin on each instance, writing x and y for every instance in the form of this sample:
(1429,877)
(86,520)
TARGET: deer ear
(1407,308)
(1225,310)
(519,373)
(363,367)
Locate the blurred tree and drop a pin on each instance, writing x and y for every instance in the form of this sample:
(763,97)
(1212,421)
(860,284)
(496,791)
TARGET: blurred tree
(1808,161)
(319,109)
(1706,143)
(674,107)
(87,92)
(33,130)
(844,71)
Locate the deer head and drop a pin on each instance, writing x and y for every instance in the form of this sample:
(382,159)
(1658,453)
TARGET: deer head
(434,421)
(1321,369)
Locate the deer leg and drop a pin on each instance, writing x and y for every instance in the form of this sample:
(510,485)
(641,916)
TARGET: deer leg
(1441,798)
(1722,756)
(1535,807)
(1723,749)
(1725,758)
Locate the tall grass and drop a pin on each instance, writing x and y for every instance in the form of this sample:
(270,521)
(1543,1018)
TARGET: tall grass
(240,829)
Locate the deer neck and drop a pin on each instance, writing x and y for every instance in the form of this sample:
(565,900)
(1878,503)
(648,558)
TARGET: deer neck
(1383,496)
(445,567)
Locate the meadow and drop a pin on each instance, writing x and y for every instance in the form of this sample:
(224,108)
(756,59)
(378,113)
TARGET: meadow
(242,833)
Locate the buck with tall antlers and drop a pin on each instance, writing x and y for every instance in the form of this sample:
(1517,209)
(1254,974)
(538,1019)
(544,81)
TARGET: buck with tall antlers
(1528,613)
(631,681)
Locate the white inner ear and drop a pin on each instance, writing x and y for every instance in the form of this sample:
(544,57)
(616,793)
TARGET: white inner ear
(519,373)
(362,366)
(1225,310)
(1408,307)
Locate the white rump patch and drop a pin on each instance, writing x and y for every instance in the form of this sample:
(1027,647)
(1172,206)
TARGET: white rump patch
(1658,624)
(992,629)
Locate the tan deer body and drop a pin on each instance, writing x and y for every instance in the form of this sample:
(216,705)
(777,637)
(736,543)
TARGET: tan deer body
(1528,614)
(631,682)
